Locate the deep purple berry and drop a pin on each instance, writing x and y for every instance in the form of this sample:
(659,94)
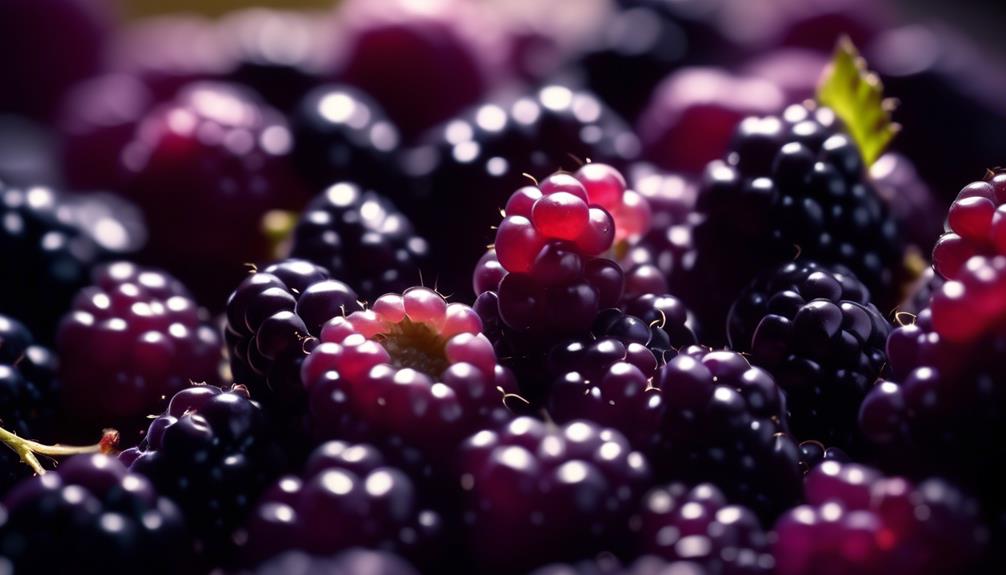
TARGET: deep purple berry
(349,562)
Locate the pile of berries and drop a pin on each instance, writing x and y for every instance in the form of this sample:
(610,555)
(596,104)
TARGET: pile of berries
(579,287)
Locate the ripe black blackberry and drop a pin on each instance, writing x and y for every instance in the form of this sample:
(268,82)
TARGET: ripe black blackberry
(465,170)
(27,393)
(273,320)
(347,496)
(814,328)
(725,423)
(213,454)
(351,561)
(793,184)
(50,241)
(361,239)
(341,134)
(92,515)
(537,493)
(698,524)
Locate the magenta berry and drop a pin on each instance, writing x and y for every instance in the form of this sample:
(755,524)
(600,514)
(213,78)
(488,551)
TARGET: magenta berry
(976,225)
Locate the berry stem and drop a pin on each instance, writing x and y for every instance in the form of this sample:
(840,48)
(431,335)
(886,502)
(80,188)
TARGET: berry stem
(28,449)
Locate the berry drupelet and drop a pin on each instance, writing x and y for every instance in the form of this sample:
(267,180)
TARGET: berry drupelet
(466,170)
(858,521)
(211,452)
(538,493)
(361,239)
(274,318)
(49,244)
(814,329)
(351,562)
(340,134)
(697,524)
(132,339)
(213,150)
(412,371)
(347,496)
(976,225)
(793,184)
(92,515)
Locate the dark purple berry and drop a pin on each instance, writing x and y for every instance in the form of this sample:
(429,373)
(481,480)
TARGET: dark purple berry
(350,562)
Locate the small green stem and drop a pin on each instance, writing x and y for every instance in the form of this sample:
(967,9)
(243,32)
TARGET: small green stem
(27,449)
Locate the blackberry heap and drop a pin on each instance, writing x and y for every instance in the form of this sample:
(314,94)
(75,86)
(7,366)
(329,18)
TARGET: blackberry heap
(132,340)
(92,515)
(347,496)
(793,184)
(211,453)
(350,562)
(815,330)
(538,493)
(50,242)
(464,171)
(362,239)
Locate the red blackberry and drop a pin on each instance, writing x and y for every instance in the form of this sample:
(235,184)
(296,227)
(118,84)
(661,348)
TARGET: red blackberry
(215,149)
(791,184)
(362,239)
(132,339)
(725,423)
(353,561)
(608,565)
(975,226)
(858,521)
(467,169)
(698,524)
(347,496)
(412,371)
(537,493)
(92,515)
(815,330)
(50,242)
(211,452)
(274,318)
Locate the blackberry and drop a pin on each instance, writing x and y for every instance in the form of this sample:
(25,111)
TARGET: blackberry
(28,393)
(211,453)
(27,153)
(362,239)
(912,203)
(179,174)
(791,184)
(815,330)
(725,423)
(607,565)
(340,134)
(132,339)
(537,493)
(813,453)
(92,515)
(274,318)
(352,561)
(347,496)
(413,372)
(976,225)
(50,242)
(465,170)
(921,293)
(858,521)
(698,524)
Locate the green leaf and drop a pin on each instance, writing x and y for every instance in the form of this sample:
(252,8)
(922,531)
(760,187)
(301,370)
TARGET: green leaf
(857,97)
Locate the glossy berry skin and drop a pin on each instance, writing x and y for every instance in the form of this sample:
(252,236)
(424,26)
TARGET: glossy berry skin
(214,149)
(28,393)
(858,521)
(793,184)
(51,241)
(410,370)
(466,170)
(539,493)
(210,452)
(89,510)
(347,562)
(814,453)
(975,226)
(815,330)
(607,565)
(698,524)
(274,318)
(361,239)
(725,423)
(347,496)
(133,338)
(340,133)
